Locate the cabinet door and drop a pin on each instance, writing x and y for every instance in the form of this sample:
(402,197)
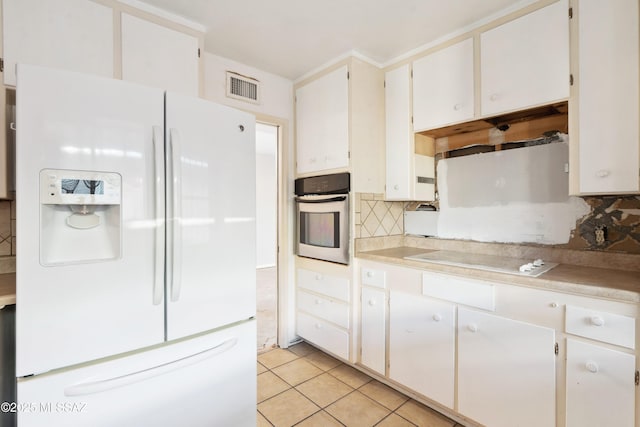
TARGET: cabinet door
(158,56)
(422,345)
(75,35)
(399,137)
(443,87)
(374,310)
(506,371)
(525,62)
(600,386)
(607,101)
(322,123)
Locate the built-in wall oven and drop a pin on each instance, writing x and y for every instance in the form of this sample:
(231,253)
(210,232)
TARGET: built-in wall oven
(322,207)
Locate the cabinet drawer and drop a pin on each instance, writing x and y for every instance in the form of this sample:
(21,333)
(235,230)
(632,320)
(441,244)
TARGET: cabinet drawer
(332,286)
(459,289)
(324,334)
(601,326)
(325,308)
(371,277)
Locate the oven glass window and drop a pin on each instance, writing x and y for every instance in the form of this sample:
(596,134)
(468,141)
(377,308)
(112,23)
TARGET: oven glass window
(320,229)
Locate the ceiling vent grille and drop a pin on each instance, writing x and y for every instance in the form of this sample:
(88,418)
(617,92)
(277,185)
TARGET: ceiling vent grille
(242,87)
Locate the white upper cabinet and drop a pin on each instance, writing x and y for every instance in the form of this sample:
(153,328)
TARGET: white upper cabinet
(74,35)
(604,106)
(322,123)
(525,62)
(158,56)
(443,87)
(399,135)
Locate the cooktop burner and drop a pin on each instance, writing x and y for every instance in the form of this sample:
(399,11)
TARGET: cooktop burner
(500,264)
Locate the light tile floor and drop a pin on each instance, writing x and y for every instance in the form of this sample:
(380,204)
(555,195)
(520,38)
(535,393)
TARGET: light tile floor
(302,386)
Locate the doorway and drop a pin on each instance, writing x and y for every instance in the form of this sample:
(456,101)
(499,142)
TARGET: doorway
(267,235)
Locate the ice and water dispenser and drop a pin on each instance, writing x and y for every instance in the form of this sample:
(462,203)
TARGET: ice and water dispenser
(80,219)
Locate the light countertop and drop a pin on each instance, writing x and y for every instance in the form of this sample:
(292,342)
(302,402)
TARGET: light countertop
(622,285)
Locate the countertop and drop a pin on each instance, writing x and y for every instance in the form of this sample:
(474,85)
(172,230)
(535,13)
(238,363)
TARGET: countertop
(7,289)
(621,285)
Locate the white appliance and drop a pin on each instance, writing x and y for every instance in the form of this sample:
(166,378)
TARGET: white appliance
(136,261)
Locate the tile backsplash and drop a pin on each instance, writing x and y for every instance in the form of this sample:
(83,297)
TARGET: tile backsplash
(7,228)
(375,217)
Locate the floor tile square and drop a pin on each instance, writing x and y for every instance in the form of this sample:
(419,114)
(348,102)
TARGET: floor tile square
(323,360)
(320,419)
(302,349)
(350,376)
(383,394)
(324,389)
(394,420)
(276,357)
(357,410)
(297,371)
(262,421)
(423,416)
(269,385)
(287,408)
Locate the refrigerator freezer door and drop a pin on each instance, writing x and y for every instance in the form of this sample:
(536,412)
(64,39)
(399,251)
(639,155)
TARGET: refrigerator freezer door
(211,215)
(205,381)
(75,312)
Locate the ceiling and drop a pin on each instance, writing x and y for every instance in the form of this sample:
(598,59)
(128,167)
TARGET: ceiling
(290,38)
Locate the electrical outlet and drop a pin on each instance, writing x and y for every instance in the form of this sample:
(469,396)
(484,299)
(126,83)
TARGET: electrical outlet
(601,234)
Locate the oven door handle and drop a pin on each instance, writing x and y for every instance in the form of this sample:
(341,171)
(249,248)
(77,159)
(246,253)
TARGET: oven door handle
(330,199)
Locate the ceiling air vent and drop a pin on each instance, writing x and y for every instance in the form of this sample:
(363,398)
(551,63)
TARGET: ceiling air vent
(242,87)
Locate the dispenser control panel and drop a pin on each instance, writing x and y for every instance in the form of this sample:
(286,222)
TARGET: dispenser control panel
(73,187)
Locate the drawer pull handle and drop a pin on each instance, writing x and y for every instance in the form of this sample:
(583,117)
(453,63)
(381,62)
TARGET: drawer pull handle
(318,326)
(372,302)
(369,273)
(473,328)
(457,107)
(318,276)
(318,301)
(437,317)
(591,366)
(597,321)
(603,173)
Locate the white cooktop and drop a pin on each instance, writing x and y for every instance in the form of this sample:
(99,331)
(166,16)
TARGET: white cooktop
(500,264)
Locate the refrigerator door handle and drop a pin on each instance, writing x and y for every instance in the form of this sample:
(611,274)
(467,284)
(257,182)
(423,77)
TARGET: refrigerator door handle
(101,385)
(158,148)
(176,215)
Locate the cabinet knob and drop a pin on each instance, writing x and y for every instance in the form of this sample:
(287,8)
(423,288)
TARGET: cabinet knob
(457,107)
(318,301)
(372,302)
(369,273)
(597,321)
(603,173)
(396,187)
(318,276)
(318,326)
(472,328)
(437,317)
(554,305)
(494,97)
(591,366)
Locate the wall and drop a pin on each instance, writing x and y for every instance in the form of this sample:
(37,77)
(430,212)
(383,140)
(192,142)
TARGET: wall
(266,195)
(7,228)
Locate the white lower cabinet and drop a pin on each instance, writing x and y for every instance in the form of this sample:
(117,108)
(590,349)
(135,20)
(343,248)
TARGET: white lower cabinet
(323,311)
(506,371)
(600,386)
(373,331)
(422,345)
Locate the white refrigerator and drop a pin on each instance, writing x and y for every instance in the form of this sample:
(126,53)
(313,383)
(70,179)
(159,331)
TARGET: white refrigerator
(136,255)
